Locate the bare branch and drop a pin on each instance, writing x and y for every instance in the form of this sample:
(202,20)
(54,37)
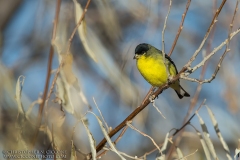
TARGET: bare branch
(207,34)
(121,134)
(124,154)
(49,68)
(101,115)
(145,135)
(68,50)
(150,92)
(180,28)
(188,122)
(158,110)
(213,52)
(177,130)
(115,142)
(164,27)
(163,45)
(227,45)
(190,154)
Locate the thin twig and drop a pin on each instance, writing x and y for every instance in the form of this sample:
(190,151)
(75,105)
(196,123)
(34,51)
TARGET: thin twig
(120,135)
(124,154)
(115,142)
(190,154)
(186,122)
(68,50)
(45,102)
(163,45)
(145,135)
(214,20)
(158,110)
(101,115)
(183,158)
(75,126)
(189,120)
(49,68)
(177,130)
(227,45)
(180,28)
(164,27)
(150,92)
(150,152)
(99,155)
(199,87)
(214,51)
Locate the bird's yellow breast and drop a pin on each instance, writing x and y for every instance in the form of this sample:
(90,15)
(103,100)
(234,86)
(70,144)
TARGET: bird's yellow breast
(154,70)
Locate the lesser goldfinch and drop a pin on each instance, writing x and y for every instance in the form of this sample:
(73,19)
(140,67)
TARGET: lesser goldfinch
(150,64)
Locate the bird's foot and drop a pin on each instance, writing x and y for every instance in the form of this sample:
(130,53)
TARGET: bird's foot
(170,77)
(153,89)
(152,98)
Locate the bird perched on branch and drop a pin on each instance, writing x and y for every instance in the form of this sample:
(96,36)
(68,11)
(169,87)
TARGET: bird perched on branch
(151,65)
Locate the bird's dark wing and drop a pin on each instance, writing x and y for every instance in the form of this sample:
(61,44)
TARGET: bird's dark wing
(168,58)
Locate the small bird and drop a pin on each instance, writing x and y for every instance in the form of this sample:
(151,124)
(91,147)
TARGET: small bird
(150,64)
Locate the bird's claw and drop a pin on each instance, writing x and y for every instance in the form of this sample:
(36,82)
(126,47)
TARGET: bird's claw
(152,98)
(169,79)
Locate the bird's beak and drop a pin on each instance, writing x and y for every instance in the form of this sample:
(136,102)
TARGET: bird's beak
(135,56)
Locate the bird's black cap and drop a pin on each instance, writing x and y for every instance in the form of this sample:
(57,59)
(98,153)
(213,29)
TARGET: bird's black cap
(141,48)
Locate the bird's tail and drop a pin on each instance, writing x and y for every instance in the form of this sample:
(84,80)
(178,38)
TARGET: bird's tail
(182,93)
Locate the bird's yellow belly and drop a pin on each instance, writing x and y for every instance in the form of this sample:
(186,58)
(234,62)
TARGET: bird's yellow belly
(153,71)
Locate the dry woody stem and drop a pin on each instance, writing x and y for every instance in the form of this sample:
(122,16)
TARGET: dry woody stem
(180,28)
(49,68)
